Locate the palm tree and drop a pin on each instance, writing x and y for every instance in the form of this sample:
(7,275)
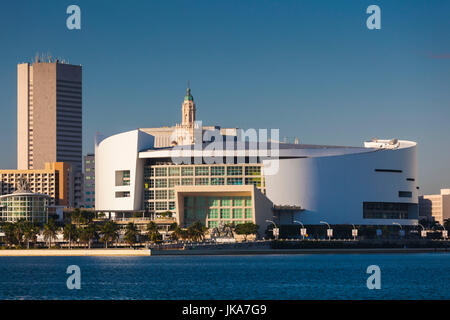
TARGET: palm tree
(70,233)
(19,230)
(76,216)
(9,230)
(179,233)
(30,233)
(152,232)
(110,232)
(131,233)
(50,230)
(196,231)
(87,234)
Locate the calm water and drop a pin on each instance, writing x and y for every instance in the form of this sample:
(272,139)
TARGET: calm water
(407,276)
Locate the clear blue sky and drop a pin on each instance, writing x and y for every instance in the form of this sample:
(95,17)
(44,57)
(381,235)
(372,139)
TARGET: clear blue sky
(310,68)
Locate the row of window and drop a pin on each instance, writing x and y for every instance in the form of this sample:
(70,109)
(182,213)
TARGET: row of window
(172,182)
(202,171)
(159,205)
(202,202)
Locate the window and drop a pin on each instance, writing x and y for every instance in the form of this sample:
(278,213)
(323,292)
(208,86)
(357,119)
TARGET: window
(254,181)
(248,201)
(225,213)
(237,213)
(171,205)
(388,170)
(187,181)
(201,171)
(213,202)
(160,171)
(248,213)
(252,171)
(187,171)
(161,183)
(238,202)
(405,194)
(201,181)
(213,214)
(226,201)
(171,194)
(234,181)
(385,210)
(122,178)
(161,194)
(149,195)
(234,171)
(123,194)
(174,182)
(161,205)
(217,181)
(217,171)
(174,171)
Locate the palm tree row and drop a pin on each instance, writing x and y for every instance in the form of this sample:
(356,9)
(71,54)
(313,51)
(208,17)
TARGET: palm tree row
(82,231)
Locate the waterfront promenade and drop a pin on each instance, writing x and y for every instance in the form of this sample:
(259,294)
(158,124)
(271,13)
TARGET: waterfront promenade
(73,252)
(250,248)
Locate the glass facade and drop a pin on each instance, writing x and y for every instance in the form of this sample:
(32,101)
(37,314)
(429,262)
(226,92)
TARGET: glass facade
(212,210)
(385,210)
(33,208)
(160,180)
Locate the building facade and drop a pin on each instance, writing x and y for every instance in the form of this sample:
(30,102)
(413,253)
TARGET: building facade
(435,206)
(54,180)
(219,183)
(24,205)
(89,181)
(49,113)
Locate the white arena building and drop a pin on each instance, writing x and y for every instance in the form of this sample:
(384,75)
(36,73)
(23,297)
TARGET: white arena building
(154,170)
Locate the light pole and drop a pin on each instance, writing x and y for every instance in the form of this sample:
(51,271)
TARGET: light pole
(329,230)
(354,232)
(444,232)
(423,233)
(402,233)
(275,230)
(302,230)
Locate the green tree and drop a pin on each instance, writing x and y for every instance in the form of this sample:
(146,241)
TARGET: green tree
(196,231)
(50,231)
(178,234)
(131,233)
(246,229)
(109,232)
(87,234)
(30,232)
(19,230)
(9,230)
(76,216)
(152,232)
(70,233)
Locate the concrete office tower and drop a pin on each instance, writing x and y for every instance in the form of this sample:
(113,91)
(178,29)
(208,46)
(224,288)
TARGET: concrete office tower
(49,117)
(435,206)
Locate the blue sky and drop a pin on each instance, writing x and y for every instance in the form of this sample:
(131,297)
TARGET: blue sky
(310,68)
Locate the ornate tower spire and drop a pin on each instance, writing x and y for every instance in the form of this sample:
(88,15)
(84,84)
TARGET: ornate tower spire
(188,109)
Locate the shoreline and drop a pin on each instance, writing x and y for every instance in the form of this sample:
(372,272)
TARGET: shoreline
(205,252)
